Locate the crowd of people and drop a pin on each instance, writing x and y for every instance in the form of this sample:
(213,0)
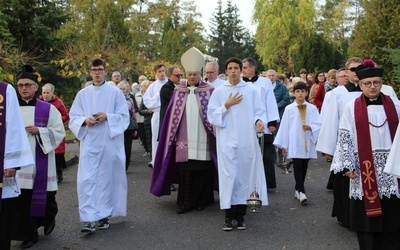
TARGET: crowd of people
(205,130)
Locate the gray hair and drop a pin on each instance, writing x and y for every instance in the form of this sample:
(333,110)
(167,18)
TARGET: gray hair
(215,64)
(50,86)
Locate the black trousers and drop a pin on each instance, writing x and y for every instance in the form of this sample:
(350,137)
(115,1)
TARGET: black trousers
(269,159)
(60,164)
(6,222)
(300,167)
(128,137)
(25,226)
(236,212)
(142,135)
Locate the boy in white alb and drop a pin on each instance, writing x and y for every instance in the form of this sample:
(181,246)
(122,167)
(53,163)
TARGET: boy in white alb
(298,135)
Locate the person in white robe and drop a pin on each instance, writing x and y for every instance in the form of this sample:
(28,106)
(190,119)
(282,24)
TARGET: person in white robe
(151,100)
(17,154)
(297,136)
(266,89)
(366,131)
(98,118)
(236,111)
(45,130)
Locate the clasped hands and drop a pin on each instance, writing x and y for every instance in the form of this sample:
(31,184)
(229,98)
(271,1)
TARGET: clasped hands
(98,117)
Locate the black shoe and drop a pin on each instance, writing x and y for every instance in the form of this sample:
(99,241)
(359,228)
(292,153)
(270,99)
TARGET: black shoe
(241,224)
(59,180)
(150,165)
(27,244)
(49,228)
(181,210)
(228,226)
(103,224)
(173,188)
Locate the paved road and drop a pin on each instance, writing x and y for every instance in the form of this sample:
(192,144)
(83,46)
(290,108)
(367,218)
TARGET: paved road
(152,222)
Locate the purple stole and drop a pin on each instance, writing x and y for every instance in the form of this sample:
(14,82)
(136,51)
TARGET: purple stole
(173,144)
(39,192)
(3,104)
(372,201)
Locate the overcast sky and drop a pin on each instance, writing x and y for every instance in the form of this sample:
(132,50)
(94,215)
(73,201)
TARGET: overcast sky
(207,7)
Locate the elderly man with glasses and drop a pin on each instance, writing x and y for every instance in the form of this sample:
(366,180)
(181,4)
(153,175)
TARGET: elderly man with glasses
(37,206)
(328,136)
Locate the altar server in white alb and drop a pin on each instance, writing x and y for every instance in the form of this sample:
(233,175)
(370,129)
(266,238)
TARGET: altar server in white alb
(366,132)
(236,111)
(151,100)
(297,136)
(15,153)
(99,116)
(45,131)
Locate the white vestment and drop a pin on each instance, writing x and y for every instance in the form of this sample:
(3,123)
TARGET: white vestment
(339,98)
(217,82)
(268,99)
(17,152)
(151,100)
(240,166)
(102,185)
(197,135)
(346,153)
(292,136)
(49,138)
(325,105)
(392,164)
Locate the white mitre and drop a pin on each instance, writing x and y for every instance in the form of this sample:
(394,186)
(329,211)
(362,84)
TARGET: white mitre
(193,60)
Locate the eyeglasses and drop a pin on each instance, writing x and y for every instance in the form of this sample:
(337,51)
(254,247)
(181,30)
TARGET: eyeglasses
(97,70)
(353,69)
(178,75)
(369,84)
(26,85)
(210,72)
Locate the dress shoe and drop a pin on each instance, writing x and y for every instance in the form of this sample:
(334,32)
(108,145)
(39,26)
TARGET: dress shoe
(173,188)
(49,228)
(27,244)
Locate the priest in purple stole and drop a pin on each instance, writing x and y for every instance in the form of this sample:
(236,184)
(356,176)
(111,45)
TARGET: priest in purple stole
(366,133)
(15,153)
(37,206)
(186,152)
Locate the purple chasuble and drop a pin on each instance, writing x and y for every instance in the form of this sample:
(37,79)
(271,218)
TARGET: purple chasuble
(39,192)
(3,104)
(173,145)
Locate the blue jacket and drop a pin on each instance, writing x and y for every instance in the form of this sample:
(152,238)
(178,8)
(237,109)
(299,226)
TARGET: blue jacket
(281,96)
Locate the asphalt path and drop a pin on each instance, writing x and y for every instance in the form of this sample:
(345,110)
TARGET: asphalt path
(152,222)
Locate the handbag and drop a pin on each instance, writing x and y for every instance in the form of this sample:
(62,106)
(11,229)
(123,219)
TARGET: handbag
(133,126)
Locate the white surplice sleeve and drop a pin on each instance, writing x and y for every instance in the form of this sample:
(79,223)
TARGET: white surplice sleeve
(77,118)
(282,137)
(345,155)
(392,164)
(18,151)
(50,137)
(151,97)
(118,121)
(315,123)
(328,134)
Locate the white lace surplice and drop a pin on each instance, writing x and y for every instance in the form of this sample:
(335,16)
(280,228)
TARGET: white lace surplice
(346,153)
